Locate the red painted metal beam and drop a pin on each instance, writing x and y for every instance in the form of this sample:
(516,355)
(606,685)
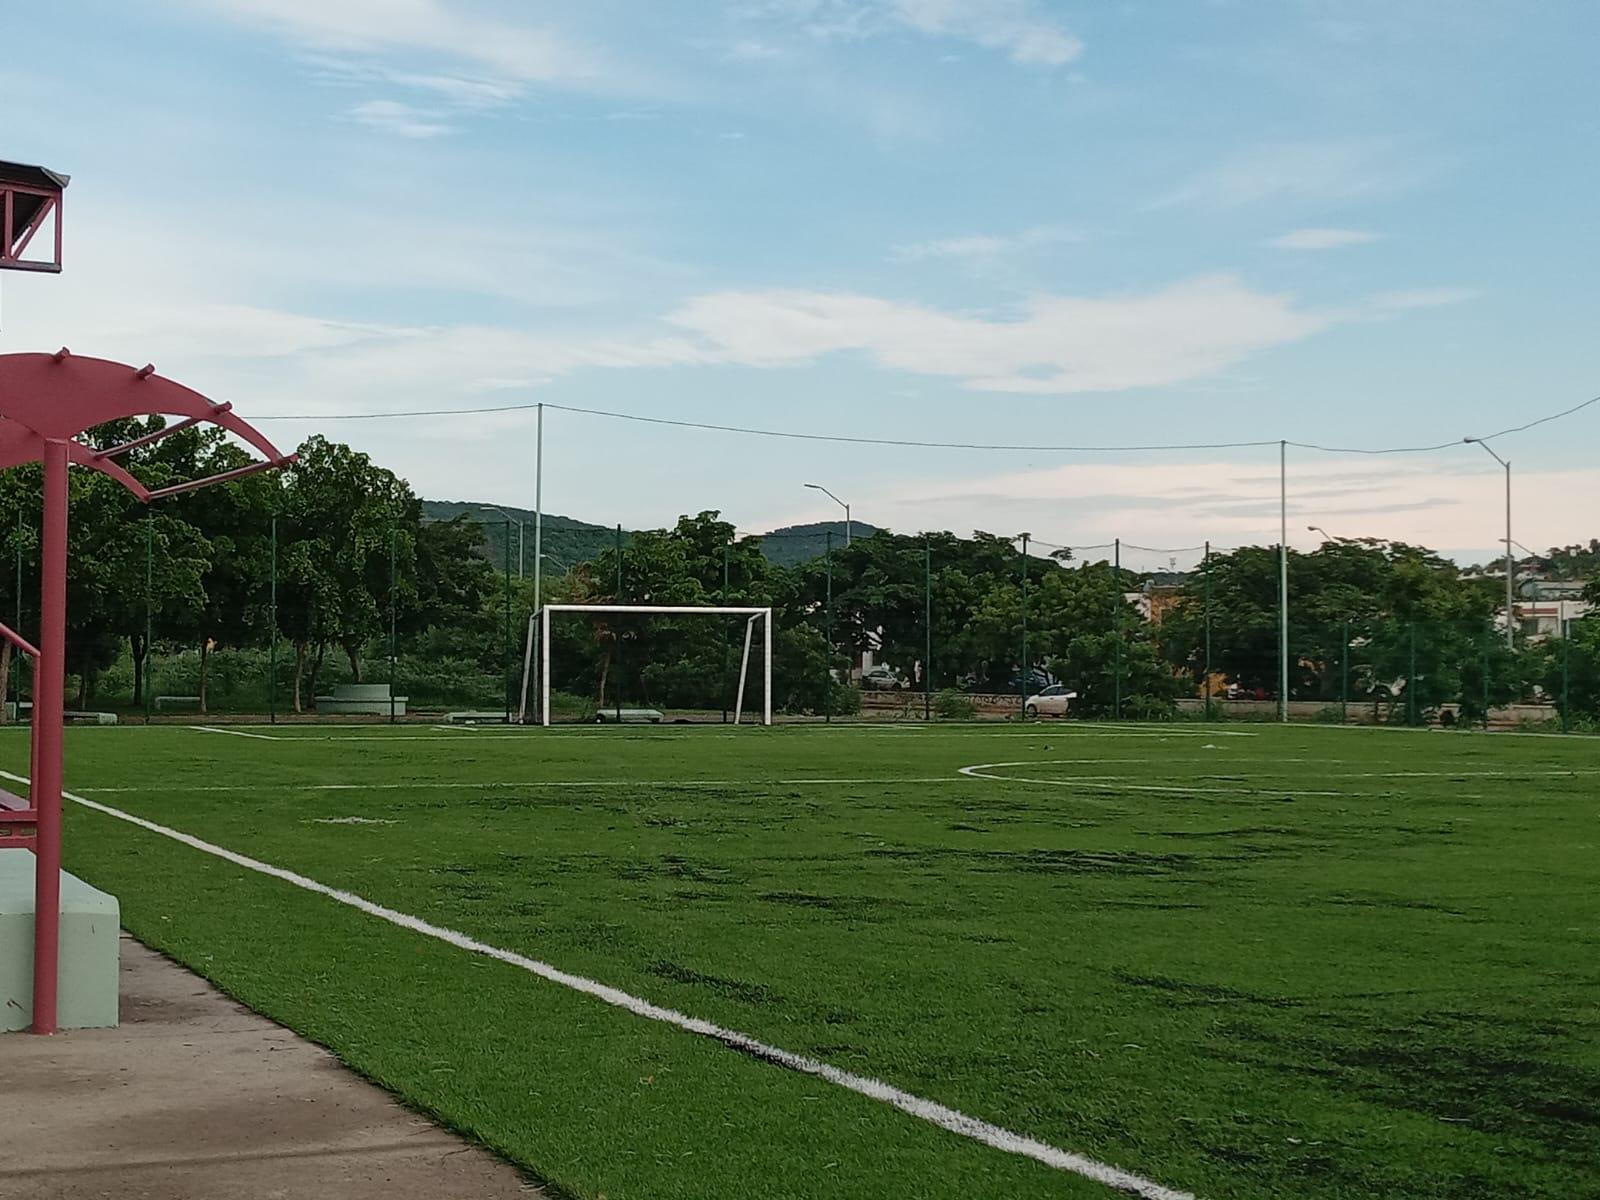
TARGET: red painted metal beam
(158,434)
(254,468)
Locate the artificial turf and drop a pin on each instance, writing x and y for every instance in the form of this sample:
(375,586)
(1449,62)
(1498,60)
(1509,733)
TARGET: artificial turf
(1243,962)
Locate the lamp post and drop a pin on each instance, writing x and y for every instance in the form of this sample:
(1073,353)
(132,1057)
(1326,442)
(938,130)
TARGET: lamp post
(817,487)
(1326,536)
(510,520)
(1511,637)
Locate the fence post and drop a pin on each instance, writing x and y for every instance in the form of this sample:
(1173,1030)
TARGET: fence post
(827,695)
(724,688)
(394,660)
(1344,673)
(149,618)
(1206,561)
(1488,632)
(1116,632)
(619,623)
(20,661)
(1411,677)
(1022,674)
(927,630)
(272,631)
(1566,681)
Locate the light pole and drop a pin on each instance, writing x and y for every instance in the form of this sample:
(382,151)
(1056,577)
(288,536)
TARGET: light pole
(1511,599)
(510,520)
(1326,536)
(819,488)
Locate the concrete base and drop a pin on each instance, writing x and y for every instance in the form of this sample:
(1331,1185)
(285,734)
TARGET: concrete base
(89,927)
(364,699)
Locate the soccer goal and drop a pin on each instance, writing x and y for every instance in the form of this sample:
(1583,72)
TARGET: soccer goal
(541,648)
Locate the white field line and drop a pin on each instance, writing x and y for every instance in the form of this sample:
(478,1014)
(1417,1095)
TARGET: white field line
(1113,782)
(931,1111)
(233,732)
(278,786)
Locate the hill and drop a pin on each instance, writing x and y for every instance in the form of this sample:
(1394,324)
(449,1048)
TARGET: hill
(795,544)
(568,541)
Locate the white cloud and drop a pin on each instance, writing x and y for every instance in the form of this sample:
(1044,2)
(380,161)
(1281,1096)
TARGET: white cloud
(1405,301)
(1322,171)
(512,50)
(1057,345)
(1322,239)
(391,116)
(1014,26)
(985,245)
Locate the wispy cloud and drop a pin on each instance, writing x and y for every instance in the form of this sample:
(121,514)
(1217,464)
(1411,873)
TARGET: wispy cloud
(391,116)
(1415,298)
(1013,26)
(511,50)
(985,245)
(1057,345)
(1017,28)
(1322,239)
(1321,171)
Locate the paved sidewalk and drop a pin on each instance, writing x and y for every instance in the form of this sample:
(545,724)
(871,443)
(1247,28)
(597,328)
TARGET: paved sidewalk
(198,1098)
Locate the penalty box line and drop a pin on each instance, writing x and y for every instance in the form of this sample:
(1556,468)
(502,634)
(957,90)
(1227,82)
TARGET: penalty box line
(940,1115)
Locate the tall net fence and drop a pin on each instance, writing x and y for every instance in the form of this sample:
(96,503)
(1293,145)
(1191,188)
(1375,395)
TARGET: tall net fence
(401,617)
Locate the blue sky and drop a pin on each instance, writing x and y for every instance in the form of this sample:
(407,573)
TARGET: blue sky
(992,220)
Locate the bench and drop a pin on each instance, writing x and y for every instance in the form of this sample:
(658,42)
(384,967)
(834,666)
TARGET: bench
(18,821)
(163,701)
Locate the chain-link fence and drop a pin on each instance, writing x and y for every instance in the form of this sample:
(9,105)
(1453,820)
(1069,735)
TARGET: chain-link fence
(882,627)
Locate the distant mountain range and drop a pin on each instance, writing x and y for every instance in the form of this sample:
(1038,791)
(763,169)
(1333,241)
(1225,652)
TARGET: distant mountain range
(568,541)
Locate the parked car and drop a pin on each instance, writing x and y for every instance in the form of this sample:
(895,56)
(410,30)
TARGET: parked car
(882,678)
(1038,680)
(1053,701)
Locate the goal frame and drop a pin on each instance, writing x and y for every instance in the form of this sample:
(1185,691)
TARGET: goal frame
(751,615)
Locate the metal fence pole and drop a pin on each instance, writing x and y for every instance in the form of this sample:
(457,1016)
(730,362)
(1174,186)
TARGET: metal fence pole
(21,660)
(149,616)
(827,695)
(1411,677)
(394,660)
(1116,632)
(1344,672)
(1207,684)
(927,630)
(272,632)
(1488,636)
(1566,680)
(619,625)
(1022,674)
(724,688)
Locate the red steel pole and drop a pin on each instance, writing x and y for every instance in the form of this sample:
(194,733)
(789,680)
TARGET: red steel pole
(48,703)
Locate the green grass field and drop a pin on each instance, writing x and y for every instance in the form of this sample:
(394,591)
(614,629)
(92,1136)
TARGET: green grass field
(1240,962)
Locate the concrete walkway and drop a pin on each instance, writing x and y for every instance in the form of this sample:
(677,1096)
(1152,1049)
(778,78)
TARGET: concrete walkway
(198,1098)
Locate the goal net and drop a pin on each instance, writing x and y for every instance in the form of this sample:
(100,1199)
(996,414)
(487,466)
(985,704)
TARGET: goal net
(633,663)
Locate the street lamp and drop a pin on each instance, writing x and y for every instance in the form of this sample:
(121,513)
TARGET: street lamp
(510,520)
(1510,568)
(819,488)
(1326,536)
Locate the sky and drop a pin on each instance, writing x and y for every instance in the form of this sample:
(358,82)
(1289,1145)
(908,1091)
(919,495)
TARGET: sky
(1342,222)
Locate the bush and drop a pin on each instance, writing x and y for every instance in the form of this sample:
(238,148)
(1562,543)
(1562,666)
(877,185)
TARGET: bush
(951,705)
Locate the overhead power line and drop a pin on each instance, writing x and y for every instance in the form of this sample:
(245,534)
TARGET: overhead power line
(919,444)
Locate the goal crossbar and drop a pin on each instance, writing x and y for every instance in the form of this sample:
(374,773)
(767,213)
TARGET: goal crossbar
(751,615)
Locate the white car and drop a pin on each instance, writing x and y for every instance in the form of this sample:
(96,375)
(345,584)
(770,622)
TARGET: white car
(1052,702)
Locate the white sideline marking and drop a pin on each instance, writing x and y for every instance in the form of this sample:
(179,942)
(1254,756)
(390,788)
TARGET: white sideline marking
(530,783)
(265,737)
(931,1111)
(1111,783)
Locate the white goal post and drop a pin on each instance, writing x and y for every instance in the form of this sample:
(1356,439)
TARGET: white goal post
(539,630)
